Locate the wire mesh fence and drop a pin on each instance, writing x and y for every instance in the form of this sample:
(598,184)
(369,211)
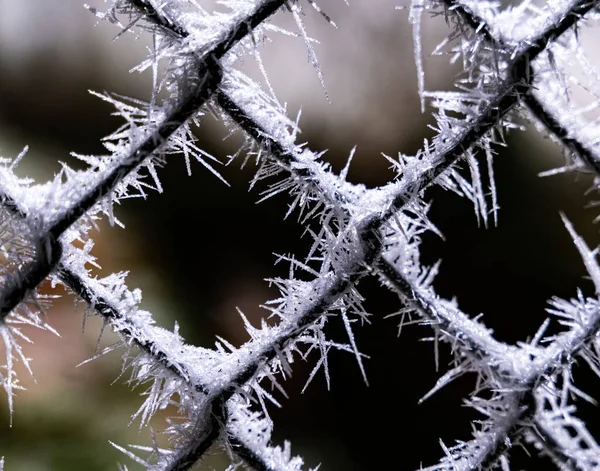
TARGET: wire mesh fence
(515,62)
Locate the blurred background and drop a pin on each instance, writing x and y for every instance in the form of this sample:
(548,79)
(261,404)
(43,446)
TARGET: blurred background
(53,52)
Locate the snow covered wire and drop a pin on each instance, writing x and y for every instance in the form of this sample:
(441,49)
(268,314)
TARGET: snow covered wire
(361,232)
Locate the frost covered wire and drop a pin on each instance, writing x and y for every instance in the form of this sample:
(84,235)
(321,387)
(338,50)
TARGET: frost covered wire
(562,436)
(48,241)
(566,135)
(450,146)
(517,410)
(525,402)
(562,133)
(475,338)
(158,347)
(294,161)
(498,431)
(504,409)
(131,330)
(200,84)
(34,275)
(361,232)
(387,200)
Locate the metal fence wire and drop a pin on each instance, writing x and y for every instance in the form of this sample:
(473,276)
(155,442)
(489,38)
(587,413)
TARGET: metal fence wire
(512,61)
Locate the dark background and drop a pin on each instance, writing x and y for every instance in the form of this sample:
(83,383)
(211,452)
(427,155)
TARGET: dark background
(201,249)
